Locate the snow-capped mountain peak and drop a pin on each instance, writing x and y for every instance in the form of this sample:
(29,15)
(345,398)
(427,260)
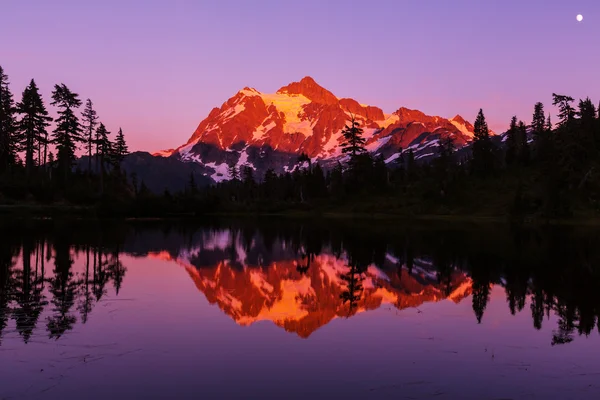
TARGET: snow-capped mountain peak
(270,130)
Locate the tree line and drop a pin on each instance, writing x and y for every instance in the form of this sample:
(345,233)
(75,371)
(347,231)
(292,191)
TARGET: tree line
(534,169)
(537,169)
(26,145)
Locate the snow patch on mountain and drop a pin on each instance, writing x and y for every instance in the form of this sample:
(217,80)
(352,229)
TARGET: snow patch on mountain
(392,158)
(262,130)
(291,105)
(258,279)
(462,128)
(389,120)
(243,160)
(376,145)
(232,112)
(221,171)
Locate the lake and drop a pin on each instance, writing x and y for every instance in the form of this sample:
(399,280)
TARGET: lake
(286,309)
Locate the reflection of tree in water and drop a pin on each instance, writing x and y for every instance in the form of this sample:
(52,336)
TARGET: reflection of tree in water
(29,290)
(101,276)
(360,256)
(6,282)
(566,325)
(481,284)
(86,300)
(314,246)
(64,289)
(354,288)
(24,287)
(537,308)
(529,267)
(116,270)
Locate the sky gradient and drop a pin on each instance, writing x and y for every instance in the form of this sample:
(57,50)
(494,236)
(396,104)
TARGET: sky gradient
(156,68)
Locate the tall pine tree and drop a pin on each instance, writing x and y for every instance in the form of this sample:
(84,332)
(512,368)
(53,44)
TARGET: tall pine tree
(32,125)
(538,123)
(354,143)
(104,146)
(89,121)
(483,151)
(566,112)
(511,142)
(8,125)
(68,129)
(523,143)
(120,149)
(104,151)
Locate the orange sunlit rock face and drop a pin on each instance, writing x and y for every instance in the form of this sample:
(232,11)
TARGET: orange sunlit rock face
(304,117)
(303,302)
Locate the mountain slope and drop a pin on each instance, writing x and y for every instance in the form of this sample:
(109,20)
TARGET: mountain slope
(159,173)
(271,130)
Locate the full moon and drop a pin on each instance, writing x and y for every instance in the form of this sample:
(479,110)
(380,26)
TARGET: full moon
(579,17)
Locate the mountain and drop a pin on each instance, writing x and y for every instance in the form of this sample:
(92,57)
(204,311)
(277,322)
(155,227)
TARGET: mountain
(250,284)
(159,173)
(272,130)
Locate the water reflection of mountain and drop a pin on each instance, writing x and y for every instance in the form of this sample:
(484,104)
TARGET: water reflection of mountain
(303,300)
(303,275)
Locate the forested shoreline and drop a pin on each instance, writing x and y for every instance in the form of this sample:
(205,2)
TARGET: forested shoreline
(538,170)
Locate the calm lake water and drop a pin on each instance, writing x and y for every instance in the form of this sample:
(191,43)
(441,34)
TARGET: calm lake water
(292,310)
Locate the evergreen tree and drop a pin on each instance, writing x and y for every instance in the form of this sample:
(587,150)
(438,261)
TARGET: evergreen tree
(483,156)
(8,125)
(336,181)
(317,186)
(249,182)
(445,157)
(120,149)
(587,126)
(566,112)
(105,148)
(380,174)
(354,143)
(233,173)
(270,184)
(304,158)
(524,151)
(511,142)
(248,175)
(538,123)
(32,125)
(90,120)
(68,129)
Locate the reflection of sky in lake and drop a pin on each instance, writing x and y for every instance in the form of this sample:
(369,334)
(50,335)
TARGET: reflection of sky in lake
(160,338)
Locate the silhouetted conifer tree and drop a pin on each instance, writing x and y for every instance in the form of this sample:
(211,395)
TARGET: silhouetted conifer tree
(120,149)
(89,121)
(354,143)
(511,142)
(523,143)
(32,125)
(8,125)
(483,156)
(68,129)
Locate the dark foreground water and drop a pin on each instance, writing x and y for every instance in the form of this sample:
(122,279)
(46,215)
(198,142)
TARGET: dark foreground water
(290,310)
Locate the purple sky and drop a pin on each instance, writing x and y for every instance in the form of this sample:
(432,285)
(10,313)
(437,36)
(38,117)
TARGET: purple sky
(156,68)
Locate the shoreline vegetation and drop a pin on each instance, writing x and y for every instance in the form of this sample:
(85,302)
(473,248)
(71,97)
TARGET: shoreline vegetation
(537,173)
